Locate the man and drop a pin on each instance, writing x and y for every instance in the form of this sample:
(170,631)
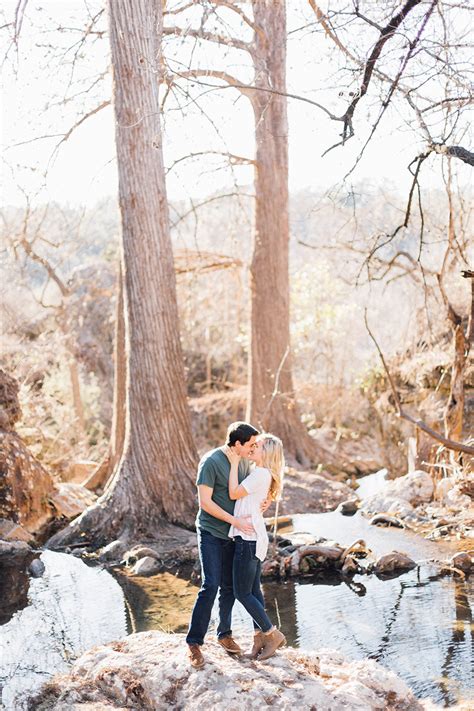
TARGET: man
(216,549)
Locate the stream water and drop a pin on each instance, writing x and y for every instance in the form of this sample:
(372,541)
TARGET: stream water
(419,625)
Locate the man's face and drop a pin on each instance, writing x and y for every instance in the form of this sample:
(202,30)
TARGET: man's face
(243,450)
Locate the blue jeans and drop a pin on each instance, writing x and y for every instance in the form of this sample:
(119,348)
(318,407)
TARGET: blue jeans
(217,557)
(247,590)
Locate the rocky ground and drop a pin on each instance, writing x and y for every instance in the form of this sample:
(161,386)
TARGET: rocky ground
(149,671)
(309,492)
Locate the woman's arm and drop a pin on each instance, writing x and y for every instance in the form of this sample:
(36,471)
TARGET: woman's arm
(236,490)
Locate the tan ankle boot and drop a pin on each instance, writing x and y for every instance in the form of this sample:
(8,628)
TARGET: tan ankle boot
(258,642)
(271,642)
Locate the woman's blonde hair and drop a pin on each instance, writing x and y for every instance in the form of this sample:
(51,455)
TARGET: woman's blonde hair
(273,459)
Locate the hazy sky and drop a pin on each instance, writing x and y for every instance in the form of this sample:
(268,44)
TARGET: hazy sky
(84,170)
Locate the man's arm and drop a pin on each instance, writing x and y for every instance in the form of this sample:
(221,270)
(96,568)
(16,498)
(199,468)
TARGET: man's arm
(210,507)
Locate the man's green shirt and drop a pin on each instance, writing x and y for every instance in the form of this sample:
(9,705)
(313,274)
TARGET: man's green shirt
(213,471)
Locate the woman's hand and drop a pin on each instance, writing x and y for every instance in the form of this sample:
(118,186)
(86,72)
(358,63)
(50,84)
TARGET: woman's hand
(233,457)
(234,460)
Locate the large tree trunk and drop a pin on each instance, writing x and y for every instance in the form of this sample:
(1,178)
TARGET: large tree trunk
(154,478)
(99,478)
(272,403)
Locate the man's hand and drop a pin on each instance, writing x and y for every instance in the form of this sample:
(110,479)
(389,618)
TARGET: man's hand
(243,523)
(266,503)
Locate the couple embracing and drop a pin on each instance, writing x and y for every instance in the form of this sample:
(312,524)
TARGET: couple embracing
(236,484)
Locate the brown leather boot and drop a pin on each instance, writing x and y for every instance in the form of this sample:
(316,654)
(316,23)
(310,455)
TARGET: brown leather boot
(271,642)
(258,642)
(195,656)
(230,645)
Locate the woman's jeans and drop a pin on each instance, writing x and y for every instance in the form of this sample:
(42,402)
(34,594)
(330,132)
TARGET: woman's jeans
(216,556)
(247,590)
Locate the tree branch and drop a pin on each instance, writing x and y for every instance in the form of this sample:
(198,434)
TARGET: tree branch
(454,151)
(210,37)
(245,89)
(448,443)
(385,34)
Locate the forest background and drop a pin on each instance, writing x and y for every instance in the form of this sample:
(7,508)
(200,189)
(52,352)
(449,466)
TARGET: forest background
(369,238)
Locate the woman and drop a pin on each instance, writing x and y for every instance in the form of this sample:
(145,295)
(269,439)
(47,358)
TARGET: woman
(264,481)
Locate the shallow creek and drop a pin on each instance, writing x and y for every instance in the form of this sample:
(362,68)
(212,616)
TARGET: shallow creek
(418,625)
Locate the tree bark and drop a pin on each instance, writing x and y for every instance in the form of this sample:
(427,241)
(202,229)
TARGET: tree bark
(154,478)
(99,478)
(272,403)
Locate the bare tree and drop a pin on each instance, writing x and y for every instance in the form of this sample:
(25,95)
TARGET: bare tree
(271,402)
(154,476)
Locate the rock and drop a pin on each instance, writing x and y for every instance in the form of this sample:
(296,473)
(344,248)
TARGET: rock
(146,566)
(457,499)
(13,552)
(138,552)
(78,552)
(79,471)
(319,554)
(385,520)
(308,492)
(393,562)
(399,496)
(462,561)
(382,502)
(70,499)
(442,488)
(14,586)
(11,531)
(113,551)
(350,566)
(25,485)
(416,487)
(348,508)
(10,410)
(150,670)
(36,568)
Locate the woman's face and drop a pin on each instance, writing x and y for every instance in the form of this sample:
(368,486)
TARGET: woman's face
(256,453)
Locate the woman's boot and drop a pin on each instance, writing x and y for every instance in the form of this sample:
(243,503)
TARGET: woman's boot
(258,642)
(271,642)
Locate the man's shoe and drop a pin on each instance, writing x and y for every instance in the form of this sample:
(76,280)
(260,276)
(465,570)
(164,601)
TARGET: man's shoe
(230,645)
(195,656)
(271,642)
(258,642)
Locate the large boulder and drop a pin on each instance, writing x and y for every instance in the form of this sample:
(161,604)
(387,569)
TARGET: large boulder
(399,496)
(25,485)
(149,670)
(416,487)
(71,499)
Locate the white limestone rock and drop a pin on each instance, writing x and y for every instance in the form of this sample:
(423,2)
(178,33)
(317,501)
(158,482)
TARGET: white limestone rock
(399,496)
(150,670)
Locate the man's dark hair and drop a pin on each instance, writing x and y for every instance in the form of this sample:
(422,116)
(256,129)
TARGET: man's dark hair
(240,432)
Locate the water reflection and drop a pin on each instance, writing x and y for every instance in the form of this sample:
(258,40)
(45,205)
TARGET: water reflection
(413,625)
(418,625)
(346,529)
(71,608)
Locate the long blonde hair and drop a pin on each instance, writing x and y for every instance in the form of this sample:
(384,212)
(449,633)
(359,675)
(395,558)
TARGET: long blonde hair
(273,459)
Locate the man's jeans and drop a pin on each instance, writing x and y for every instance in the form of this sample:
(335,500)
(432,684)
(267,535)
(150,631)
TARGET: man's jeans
(217,557)
(247,590)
